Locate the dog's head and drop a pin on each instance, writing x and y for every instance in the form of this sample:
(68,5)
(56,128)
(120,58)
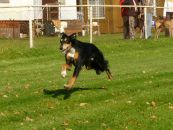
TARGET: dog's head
(66,42)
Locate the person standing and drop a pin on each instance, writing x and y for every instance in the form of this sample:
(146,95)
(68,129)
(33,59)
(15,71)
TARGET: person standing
(125,17)
(168,12)
(133,13)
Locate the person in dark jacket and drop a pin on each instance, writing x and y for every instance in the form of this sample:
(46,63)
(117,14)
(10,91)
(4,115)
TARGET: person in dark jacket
(125,16)
(128,14)
(133,13)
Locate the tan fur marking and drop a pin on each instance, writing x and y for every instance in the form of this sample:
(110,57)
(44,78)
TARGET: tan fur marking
(65,67)
(76,55)
(70,83)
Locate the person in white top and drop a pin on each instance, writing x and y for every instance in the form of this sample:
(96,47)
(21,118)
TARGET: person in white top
(168,12)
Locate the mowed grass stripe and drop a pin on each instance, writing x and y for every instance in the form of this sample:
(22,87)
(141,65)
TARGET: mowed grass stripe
(142,72)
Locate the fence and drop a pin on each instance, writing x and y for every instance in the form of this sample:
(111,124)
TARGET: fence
(88,8)
(9,29)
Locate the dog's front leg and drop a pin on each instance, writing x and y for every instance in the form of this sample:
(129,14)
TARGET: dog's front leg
(109,74)
(64,69)
(72,80)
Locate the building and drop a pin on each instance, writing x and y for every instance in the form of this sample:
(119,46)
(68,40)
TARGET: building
(108,18)
(14,21)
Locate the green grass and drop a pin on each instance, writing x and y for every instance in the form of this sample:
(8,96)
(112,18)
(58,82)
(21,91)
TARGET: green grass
(139,97)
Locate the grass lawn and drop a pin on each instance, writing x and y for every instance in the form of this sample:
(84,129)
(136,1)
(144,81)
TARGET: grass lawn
(140,96)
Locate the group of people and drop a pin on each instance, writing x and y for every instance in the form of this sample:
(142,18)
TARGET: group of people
(130,16)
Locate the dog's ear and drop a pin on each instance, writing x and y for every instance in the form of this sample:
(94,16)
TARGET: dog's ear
(73,36)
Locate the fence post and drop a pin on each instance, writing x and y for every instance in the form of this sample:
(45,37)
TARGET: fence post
(91,22)
(47,12)
(30,33)
(145,22)
(154,6)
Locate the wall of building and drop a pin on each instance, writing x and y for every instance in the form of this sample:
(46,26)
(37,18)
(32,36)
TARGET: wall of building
(68,13)
(112,23)
(21,13)
(161,4)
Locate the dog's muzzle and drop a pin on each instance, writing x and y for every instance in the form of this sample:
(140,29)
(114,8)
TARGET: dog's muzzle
(64,51)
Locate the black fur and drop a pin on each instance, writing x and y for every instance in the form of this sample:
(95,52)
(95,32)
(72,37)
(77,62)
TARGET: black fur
(88,55)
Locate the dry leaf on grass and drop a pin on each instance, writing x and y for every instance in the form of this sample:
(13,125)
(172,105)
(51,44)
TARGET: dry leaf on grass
(143,71)
(16,113)
(153,104)
(153,117)
(2,114)
(26,86)
(129,102)
(68,129)
(54,128)
(65,123)
(170,106)
(147,103)
(29,119)
(83,104)
(5,96)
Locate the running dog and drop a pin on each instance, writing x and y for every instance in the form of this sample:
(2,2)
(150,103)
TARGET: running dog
(81,54)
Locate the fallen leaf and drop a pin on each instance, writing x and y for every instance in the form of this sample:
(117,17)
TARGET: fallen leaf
(86,122)
(147,103)
(29,119)
(83,104)
(65,123)
(17,113)
(107,100)
(153,117)
(26,86)
(68,129)
(5,96)
(153,104)
(143,71)
(129,102)
(103,124)
(170,107)
(54,128)
(2,114)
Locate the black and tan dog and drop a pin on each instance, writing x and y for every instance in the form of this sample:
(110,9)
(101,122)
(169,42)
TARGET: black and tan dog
(81,54)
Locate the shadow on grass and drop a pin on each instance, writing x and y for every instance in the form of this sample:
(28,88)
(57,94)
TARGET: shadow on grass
(66,93)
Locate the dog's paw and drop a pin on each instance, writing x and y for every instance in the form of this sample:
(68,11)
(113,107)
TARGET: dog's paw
(67,87)
(63,74)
